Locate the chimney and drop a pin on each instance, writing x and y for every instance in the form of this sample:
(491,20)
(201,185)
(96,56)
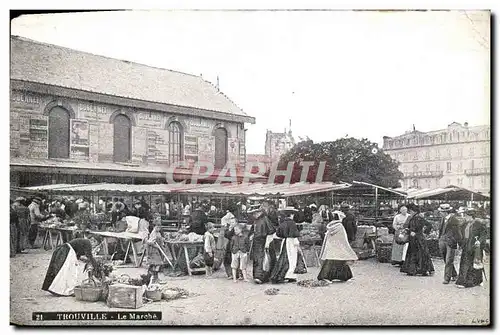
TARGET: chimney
(217,83)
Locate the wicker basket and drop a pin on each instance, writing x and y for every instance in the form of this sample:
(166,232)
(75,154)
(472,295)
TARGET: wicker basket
(154,295)
(88,293)
(384,252)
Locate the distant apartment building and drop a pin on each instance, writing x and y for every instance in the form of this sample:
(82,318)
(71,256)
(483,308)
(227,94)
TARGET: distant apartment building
(458,155)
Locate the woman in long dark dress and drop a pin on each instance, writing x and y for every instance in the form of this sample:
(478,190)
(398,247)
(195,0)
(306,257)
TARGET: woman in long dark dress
(418,259)
(472,246)
(263,232)
(290,255)
(62,274)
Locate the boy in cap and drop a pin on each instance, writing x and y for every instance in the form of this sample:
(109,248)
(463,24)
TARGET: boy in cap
(240,247)
(209,249)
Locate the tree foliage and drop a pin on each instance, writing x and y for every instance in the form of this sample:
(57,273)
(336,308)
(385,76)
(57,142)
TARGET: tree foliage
(347,159)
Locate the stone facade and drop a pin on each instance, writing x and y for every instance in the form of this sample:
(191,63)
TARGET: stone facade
(278,144)
(91,123)
(458,155)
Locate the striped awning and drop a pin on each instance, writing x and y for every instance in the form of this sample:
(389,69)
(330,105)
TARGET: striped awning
(447,193)
(257,189)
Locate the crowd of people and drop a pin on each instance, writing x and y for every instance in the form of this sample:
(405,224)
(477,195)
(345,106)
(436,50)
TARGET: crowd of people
(266,236)
(460,228)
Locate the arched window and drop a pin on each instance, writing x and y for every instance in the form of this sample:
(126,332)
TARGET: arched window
(415,168)
(415,183)
(58,133)
(220,148)
(121,138)
(175,137)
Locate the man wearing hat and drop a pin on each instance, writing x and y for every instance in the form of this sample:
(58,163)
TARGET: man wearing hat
(23,223)
(449,236)
(35,218)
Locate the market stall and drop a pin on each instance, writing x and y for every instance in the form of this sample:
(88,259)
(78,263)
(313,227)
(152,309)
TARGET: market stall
(449,193)
(374,207)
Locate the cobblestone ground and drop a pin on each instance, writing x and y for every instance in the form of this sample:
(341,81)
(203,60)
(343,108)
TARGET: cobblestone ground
(379,295)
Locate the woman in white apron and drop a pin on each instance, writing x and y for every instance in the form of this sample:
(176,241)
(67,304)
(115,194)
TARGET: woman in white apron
(65,271)
(291,260)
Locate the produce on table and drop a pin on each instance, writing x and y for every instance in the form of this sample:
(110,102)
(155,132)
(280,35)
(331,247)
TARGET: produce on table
(182,237)
(309,232)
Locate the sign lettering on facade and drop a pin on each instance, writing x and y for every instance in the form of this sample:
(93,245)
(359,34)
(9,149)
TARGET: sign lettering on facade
(149,119)
(199,128)
(38,136)
(26,98)
(88,110)
(191,146)
(79,139)
(94,142)
(158,145)
(206,149)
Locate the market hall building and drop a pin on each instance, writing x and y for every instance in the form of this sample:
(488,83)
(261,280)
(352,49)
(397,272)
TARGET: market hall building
(76,118)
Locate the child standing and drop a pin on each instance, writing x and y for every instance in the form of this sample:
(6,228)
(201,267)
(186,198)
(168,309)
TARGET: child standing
(240,246)
(209,248)
(155,243)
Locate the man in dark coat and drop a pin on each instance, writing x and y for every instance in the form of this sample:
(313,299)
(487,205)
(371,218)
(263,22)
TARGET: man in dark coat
(23,223)
(449,236)
(349,222)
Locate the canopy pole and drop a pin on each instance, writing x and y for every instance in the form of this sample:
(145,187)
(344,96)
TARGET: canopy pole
(179,211)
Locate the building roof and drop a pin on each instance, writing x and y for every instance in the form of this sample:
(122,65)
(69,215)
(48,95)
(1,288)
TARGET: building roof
(445,193)
(48,64)
(435,132)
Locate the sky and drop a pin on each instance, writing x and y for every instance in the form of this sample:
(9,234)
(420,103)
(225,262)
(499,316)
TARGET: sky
(333,73)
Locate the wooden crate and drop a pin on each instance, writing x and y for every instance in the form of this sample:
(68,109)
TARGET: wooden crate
(124,296)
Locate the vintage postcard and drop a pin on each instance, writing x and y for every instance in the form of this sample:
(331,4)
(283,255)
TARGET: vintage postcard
(270,167)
